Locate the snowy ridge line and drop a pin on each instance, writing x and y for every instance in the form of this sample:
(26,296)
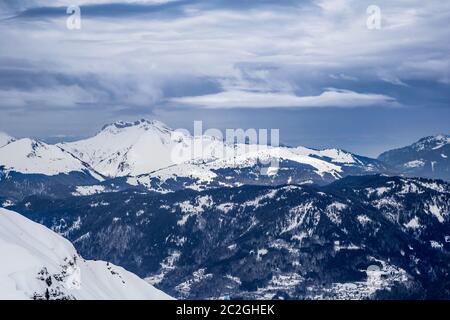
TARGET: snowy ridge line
(146,147)
(144,150)
(96,174)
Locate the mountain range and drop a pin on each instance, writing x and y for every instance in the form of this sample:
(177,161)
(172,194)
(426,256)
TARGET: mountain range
(141,154)
(361,237)
(428,157)
(201,218)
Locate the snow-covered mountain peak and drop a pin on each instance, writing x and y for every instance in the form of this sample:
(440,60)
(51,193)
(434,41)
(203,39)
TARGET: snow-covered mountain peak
(40,264)
(124,148)
(334,155)
(144,146)
(432,142)
(36,157)
(5,139)
(134,148)
(428,157)
(119,127)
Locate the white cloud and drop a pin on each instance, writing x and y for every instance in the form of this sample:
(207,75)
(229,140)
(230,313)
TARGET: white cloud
(245,99)
(389,78)
(135,56)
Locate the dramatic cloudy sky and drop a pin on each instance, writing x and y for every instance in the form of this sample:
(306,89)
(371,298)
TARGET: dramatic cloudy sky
(311,68)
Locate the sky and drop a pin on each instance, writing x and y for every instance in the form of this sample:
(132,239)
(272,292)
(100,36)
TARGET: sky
(365,76)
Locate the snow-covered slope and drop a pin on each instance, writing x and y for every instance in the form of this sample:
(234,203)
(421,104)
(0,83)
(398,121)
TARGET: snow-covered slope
(432,142)
(5,139)
(150,154)
(152,148)
(247,157)
(264,165)
(35,157)
(323,161)
(134,148)
(429,157)
(39,264)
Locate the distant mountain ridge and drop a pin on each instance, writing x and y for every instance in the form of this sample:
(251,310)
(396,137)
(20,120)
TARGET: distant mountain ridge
(35,157)
(144,147)
(140,154)
(429,157)
(30,167)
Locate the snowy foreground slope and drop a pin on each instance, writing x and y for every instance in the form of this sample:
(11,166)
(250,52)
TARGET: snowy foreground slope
(39,264)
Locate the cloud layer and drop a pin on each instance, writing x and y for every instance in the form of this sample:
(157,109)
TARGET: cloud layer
(286,48)
(245,99)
